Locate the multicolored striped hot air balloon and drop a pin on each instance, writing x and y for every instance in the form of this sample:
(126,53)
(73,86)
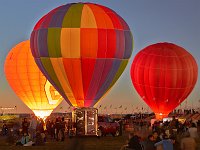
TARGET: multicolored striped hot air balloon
(82,48)
(28,82)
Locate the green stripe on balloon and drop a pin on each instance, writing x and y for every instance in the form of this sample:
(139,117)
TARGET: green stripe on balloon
(72,18)
(46,62)
(53,41)
(119,72)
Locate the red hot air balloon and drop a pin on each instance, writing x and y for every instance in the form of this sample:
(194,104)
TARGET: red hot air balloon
(82,49)
(164,74)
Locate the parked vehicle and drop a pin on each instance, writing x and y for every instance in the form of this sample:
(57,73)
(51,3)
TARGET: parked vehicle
(106,125)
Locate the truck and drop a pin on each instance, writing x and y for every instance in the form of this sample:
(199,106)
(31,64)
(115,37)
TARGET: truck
(106,125)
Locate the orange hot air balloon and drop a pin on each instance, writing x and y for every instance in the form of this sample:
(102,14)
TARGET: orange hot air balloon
(28,82)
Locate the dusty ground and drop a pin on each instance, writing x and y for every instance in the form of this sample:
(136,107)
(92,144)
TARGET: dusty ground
(79,143)
(76,143)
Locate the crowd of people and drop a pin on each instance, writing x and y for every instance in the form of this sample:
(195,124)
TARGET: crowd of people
(169,135)
(34,131)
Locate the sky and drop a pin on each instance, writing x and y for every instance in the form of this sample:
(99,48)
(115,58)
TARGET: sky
(151,21)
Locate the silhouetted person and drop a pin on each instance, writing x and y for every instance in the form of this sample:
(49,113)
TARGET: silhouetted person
(62,129)
(4,129)
(52,129)
(193,131)
(25,126)
(149,143)
(165,144)
(40,126)
(134,142)
(156,137)
(57,128)
(188,143)
(33,126)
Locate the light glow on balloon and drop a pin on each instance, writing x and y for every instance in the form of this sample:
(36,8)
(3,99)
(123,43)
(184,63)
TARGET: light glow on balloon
(42,113)
(28,82)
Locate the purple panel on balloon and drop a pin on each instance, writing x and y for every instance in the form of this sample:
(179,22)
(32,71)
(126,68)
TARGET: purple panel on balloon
(42,46)
(128,44)
(33,44)
(57,17)
(109,78)
(102,69)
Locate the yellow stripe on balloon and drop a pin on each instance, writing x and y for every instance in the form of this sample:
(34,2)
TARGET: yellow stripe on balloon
(57,64)
(88,19)
(70,42)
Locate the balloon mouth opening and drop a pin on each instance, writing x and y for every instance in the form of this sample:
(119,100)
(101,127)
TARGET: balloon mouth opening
(160,115)
(43,114)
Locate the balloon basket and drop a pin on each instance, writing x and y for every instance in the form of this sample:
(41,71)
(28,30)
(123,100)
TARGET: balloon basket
(85,121)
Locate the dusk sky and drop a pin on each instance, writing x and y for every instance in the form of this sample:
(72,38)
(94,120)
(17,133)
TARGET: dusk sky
(151,21)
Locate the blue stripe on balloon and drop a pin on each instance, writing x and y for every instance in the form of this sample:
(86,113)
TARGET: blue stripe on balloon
(33,44)
(109,79)
(57,18)
(100,74)
(128,44)
(42,46)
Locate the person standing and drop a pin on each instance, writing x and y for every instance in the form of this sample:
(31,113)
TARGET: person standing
(52,129)
(33,126)
(165,144)
(62,129)
(149,143)
(4,129)
(156,137)
(134,142)
(57,129)
(25,126)
(188,143)
(193,131)
(40,126)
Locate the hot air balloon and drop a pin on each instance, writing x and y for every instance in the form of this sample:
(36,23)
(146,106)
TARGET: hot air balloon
(28,82)
(164,74)
(82,49)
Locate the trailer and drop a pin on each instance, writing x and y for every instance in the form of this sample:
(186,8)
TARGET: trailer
(85,121)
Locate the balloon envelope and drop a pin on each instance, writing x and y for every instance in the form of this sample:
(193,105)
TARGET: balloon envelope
(164,74)
(82,48)
(28,82)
